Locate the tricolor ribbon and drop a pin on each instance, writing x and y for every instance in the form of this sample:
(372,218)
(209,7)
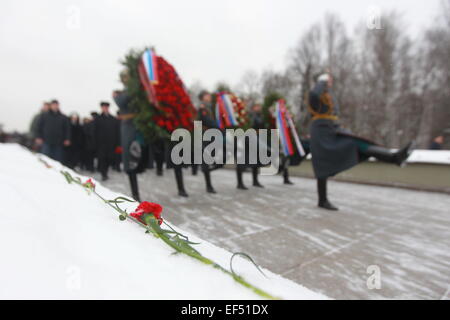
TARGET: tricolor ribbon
(225,111)
(148,74)
(149,61)
(294,133)
(285,124)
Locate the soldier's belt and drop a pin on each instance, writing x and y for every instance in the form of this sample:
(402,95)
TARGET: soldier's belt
(325,116)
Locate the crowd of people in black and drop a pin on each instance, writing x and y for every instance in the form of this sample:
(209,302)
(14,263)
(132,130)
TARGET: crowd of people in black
(91,143)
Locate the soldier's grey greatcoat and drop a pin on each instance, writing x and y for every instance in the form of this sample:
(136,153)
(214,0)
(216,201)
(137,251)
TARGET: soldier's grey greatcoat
(333,150)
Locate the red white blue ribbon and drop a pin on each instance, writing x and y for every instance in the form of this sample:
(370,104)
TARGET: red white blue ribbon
(148,74)
(285,125)
(225,111)
(294,133)
(149,61)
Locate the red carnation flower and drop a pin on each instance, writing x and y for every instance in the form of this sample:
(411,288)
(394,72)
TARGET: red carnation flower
(89,184)
(146,208)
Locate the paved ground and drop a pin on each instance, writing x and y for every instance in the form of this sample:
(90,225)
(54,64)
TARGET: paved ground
(405,233)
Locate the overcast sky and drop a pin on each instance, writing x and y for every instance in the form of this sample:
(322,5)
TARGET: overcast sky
(49,51)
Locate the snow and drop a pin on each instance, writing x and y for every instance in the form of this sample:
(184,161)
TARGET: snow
(423,156)
(58,242)
(430,156)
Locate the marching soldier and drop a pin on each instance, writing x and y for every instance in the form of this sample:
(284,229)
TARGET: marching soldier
(257,123)
(335,150)
(205,115)
(107,137)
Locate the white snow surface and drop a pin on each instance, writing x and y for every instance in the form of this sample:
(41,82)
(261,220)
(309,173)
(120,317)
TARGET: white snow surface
(423,156)
(430,156)
(58,242)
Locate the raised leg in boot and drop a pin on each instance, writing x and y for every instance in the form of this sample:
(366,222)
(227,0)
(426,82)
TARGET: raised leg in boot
(386,155)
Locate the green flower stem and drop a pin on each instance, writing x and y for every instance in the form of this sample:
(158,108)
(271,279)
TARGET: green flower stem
(181,245)
(194,254)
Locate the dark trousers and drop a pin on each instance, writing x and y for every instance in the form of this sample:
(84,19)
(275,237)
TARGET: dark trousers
(54,152)
(104,162)
(88,160)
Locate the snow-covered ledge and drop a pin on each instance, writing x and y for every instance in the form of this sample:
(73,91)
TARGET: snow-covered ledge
(425,156)
(57,242)
(430,156)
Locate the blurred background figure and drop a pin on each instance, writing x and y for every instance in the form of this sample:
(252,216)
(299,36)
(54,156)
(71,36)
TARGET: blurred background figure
(2,134)
(437,143)
(88,149)
(118,151)
(107,139)
(53,132)
(34,126)
(257,117)
(74,150)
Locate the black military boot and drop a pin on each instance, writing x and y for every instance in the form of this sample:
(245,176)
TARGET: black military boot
(209,187)
(323,199)
(286,177)
(380,153)
(134,186)
(239,172)
(255,178)
(386,155)
(180,183)
(403,154)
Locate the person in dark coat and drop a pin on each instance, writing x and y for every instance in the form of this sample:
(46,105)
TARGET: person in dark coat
(88,151)
(437,143)
(34,126)
(106,139)
(53,132)
(73,152)
(335,150)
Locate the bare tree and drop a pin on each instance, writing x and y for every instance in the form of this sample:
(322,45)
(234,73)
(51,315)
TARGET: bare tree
(435,78)
(324,46)
(249,87)
(194,90)
(390,88)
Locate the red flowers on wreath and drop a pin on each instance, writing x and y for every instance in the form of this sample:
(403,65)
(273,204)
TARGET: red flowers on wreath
(89,184)
(145,208)
(174,101)
(239,109)
(160,122)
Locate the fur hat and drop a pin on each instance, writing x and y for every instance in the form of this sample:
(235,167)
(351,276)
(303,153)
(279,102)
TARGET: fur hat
(323,77)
